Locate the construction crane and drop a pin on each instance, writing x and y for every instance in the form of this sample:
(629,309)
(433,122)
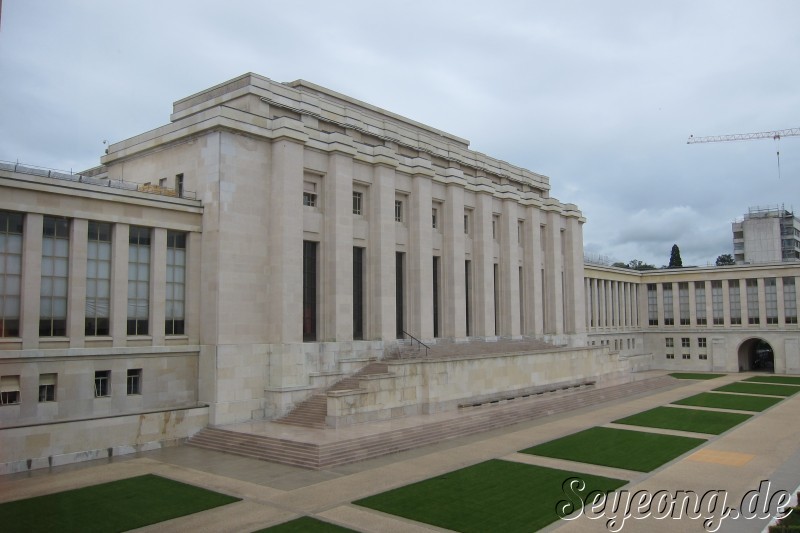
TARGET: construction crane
(774,135)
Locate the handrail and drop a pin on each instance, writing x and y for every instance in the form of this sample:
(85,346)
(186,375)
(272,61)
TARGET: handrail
(413,338)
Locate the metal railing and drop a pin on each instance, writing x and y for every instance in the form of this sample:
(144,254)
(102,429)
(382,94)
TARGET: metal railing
(419,342)
(45,172)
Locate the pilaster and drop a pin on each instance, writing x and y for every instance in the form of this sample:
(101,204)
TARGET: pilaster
(76,290)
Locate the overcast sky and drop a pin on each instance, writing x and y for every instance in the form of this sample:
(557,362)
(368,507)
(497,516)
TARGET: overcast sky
(598,95)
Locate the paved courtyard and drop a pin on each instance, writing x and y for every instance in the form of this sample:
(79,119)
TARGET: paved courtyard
(766,447)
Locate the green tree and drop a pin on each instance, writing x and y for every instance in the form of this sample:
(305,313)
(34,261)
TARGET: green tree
(620,264)
(725,259)
(635,264)
(675,257)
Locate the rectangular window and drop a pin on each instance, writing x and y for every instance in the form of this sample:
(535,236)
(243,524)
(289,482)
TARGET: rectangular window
(138,280)
(10,272)
(358,199)
(55,275)
(467,295)
(669,315)
(134,381)
(309,291)
(399,293)
(520,231)
(466,223)
(752,301)
(670,342)
(358,293)
(98,279)
(398,210)
(496,227)
(683,303)
(687,356)
(685,342)
(703,356)
(9,390)
(789,301)
(309,194)
(771,296)
(175,298)
(652,304)
(700,302)
(47,387)
(102,383)
(670,356)
(434,218)
(436,306)
(735,301)
(717,303)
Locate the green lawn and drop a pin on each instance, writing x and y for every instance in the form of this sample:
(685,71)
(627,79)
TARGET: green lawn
(117,506)
(695,375)
(729,401)
(492,496)
(759,388)
(787,380)
(305,524)
(696,420)
(620,448)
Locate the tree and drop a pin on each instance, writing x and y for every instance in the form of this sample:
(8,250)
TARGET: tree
(675,257)
(725,259)
(620,264)
(635,264)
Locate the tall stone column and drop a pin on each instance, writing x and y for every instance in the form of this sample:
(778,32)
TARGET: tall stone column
(454,311)
(31,280)
(509,270)
(118,317)
(336,316)
(381,255)
(554,275)
(483,266)
(420,259)
(573,273)
(76,291)
(530,271)
(158,284)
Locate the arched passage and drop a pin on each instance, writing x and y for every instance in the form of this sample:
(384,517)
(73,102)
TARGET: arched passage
(756,355)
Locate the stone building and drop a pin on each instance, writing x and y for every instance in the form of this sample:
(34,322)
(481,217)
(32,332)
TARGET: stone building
(766,234)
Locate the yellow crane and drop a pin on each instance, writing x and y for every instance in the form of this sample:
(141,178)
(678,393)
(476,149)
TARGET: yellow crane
(774,135)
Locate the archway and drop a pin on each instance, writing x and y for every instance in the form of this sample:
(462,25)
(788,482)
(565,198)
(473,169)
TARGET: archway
(756,355)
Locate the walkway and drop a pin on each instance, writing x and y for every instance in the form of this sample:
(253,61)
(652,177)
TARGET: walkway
(765,447)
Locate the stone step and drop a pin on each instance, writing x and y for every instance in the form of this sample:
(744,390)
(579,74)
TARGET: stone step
(476,419)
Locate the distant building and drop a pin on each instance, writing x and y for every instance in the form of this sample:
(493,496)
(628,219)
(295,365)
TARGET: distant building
(766,235)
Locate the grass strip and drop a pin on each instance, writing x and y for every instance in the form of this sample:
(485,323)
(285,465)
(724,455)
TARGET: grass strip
(759,388)
(305,524)
(492,496)
(695,420)
(116,506)
(695,375)
(786,380)
(729,401)
(619,448)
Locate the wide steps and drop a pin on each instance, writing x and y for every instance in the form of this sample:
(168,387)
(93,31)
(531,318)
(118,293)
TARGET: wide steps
(473,420)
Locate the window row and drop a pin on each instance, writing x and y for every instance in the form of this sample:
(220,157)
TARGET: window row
(686,342)
(48,385)
(736,295)
(55,272)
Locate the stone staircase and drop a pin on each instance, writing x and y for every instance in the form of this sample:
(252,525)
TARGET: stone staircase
(407,349)
(468,420)
(311,413)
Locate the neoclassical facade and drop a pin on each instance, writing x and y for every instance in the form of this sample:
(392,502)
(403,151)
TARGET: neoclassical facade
(274,238)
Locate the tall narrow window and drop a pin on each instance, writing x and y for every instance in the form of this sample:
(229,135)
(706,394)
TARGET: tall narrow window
(175,312)
(138,280)
(134,381)
(98,279)
(434,218)
(436,296)
(683,303)
(309,194)
(309,291)
(358,200)
(102,383)
(717,303)
(179,185)
(55,274)
(467,294)
(358,293)
(734,298)
(771,295)
(10,272)
(652,304)
(496,272)
(700,302)
(669,314)
(398,210)
(789,301)
(752,301)
(47,387)
(521,302)
(399,293)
